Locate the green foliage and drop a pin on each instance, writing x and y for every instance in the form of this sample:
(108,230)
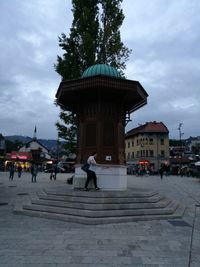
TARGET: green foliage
(13,146)
(94,38)
(111,49)
(81,46)
(69,132)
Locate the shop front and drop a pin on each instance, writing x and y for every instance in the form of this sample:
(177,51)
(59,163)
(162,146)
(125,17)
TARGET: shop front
(23,159)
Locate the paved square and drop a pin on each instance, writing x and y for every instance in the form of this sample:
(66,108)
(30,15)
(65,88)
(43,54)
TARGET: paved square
(29,241)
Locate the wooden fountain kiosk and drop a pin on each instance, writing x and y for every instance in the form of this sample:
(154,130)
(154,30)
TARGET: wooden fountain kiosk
(102,101)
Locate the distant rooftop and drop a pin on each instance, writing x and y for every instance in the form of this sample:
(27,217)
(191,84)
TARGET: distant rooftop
(149,127)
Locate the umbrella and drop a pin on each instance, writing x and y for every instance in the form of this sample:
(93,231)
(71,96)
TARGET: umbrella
(197,163)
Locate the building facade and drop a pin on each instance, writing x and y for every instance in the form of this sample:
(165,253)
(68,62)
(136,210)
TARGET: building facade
(39,152)
(148,146)
(193,145)
(30,152)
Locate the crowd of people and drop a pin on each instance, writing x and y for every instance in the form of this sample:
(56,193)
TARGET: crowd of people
(91,174)
(34,169)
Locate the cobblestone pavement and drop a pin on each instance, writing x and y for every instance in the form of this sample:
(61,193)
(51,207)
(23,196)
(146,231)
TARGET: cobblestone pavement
(37,242)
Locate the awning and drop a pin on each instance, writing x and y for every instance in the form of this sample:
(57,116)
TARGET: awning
(21,156)
(144,161)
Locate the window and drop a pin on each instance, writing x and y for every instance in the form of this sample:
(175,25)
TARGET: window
(137,142)
(142,142)
(146,141)
(151,153)
(128,144)
(162,141)
(132,155)
(128,155)
(138,154)
(147,153)
(162,153)
(151,141)
(132,143)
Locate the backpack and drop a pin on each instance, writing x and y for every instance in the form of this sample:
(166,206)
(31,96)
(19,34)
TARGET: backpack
(85,167)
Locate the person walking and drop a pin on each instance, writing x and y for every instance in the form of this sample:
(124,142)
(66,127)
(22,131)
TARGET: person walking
(91,175)
(55,169)
(51,173)
(12,171)
(54,172)
(161,171)
(34,171)
(19,169)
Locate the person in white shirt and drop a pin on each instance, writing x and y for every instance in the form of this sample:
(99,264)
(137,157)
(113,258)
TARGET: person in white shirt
(91,175)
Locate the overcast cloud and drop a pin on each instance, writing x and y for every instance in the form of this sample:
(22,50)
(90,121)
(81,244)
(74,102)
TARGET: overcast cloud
(164,36)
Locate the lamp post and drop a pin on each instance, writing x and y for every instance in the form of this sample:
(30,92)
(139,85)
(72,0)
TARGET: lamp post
(180,135)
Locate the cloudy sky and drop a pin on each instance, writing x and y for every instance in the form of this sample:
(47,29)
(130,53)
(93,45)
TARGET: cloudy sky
(164,36)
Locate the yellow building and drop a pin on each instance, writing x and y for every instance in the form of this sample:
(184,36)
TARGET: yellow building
(148,145)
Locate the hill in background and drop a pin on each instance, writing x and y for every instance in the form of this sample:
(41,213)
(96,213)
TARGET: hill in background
(51,144)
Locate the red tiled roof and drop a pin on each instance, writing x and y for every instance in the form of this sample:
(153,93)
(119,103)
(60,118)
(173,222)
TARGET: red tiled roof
(149,127)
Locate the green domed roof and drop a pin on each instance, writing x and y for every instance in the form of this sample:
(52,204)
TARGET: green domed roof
(101,69)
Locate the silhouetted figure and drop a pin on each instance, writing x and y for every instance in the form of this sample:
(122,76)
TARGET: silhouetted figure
(34,171)
(19,169)
(161,171)
(12,171)
(54,172)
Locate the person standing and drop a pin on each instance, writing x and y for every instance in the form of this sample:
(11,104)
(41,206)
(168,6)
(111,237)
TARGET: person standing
(91,175)
(12,171)
(34,171)
(51,173)
(55,169)
(54,172)
(19,169)
(161,171)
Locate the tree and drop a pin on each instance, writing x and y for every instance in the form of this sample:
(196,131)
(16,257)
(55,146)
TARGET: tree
(69,132)
(81,46)
(12,146)
(111,49)
(94,38)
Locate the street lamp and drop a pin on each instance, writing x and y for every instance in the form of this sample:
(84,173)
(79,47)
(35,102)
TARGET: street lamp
(180,135)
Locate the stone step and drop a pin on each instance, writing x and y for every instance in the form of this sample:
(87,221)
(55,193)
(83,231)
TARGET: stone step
(102,213)
(96,207)
(87,199)
(103,194)
(86,220)
(105,206)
